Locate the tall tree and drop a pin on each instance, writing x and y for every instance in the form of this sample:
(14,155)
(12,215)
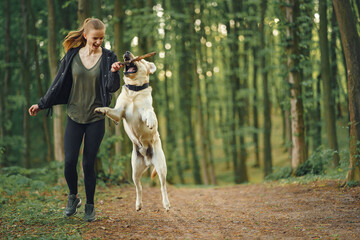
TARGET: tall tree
(306,27)
(243,100)
(209,93)
(6,81)
(83,10)
(334,64)
(317,116)
(189,90)
(254,48)
(267,104)
(121,147)
(326,76)
(96,8)
(52,56)
(351,43)
(170,145)
(291,11)
(196,49)
(26,77)
(233,30)
(38,81)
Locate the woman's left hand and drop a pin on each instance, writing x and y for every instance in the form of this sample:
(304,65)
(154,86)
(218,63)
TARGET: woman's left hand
(116,66)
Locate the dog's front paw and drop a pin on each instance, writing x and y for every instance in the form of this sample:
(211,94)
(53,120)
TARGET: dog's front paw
(150,123)
(151,120)
(101,110)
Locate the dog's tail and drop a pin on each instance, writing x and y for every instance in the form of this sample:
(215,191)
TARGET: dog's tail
(153,174)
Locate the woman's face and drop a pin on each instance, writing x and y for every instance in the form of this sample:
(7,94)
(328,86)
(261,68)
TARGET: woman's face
(94,38)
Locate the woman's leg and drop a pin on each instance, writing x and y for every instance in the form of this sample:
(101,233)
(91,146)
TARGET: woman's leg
(74,133)
(94,134)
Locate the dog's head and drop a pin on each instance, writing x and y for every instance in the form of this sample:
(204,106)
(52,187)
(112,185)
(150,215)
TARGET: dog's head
(137,72)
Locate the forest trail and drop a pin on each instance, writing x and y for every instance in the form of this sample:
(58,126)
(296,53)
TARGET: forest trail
(259,211)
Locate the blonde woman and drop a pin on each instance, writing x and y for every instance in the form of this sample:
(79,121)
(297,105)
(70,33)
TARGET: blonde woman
(87,76)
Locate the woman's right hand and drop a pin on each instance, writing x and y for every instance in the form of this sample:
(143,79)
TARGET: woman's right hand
(34,109)
(116,66)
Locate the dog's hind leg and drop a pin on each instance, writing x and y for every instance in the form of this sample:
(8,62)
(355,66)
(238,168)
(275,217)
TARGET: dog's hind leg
(159,163)
(138,168)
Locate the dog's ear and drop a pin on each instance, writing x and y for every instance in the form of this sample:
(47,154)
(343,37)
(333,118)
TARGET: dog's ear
(152,67)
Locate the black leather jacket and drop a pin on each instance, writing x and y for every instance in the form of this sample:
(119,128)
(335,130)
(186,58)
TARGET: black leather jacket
(60,89)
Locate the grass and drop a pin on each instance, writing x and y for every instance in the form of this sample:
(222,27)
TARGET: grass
(33,209)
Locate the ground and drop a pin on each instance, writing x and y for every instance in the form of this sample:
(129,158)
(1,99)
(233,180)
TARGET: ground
(317,210)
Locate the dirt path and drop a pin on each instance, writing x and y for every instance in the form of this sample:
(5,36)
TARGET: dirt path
(313,211)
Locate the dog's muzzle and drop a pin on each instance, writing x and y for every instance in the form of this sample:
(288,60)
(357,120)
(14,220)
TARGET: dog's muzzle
(129,68)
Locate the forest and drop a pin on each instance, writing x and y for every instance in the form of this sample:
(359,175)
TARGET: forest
(246,91)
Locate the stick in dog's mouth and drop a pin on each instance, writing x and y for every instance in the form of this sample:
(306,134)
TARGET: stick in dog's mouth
(137,58)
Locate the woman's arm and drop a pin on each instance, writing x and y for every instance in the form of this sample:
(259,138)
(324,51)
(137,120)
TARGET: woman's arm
(47,100)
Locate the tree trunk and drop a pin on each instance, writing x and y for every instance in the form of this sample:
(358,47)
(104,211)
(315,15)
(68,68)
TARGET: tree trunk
(317,116)
(5,89)
(96,9)
(234,85)
(288,132)
(326,76)
(58,113)
(38,80)
(189,91)
(196,50)
(83,10)
(255,110)
(210,91)
(287,113)
(351,43)
(119,48)
(334,68)
(173,160)
(267,103)
(291,10)
(242,106)
(26,77)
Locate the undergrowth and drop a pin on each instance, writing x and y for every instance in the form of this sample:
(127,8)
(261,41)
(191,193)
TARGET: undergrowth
(317,167)
(32,205)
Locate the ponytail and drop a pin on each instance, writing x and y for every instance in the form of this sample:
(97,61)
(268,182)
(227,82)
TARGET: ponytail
(76,38)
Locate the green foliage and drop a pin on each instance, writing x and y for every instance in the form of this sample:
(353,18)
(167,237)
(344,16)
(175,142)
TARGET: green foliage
(12,149)
(352,183)
(17,179)
(48,174)
(113,164)
(316,163)
(281,173)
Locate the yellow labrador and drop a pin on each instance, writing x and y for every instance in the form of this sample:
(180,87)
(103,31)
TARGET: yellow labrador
(134,106)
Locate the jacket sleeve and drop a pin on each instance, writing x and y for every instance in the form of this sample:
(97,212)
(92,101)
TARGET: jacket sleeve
(49,98)
(113,83)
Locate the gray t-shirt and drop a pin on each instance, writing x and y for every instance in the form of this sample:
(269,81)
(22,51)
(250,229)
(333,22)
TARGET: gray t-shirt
(85,92)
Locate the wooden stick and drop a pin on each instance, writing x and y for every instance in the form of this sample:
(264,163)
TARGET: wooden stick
(137,59)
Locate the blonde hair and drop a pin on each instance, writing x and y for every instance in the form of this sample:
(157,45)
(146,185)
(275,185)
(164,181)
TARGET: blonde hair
(76,38)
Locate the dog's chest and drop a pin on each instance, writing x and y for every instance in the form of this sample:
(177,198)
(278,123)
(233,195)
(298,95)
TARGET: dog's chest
(129,111)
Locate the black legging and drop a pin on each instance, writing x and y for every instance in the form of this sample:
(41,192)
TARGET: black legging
(74,132)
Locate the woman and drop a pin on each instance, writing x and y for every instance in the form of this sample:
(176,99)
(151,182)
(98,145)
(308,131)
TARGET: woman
(87,76)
